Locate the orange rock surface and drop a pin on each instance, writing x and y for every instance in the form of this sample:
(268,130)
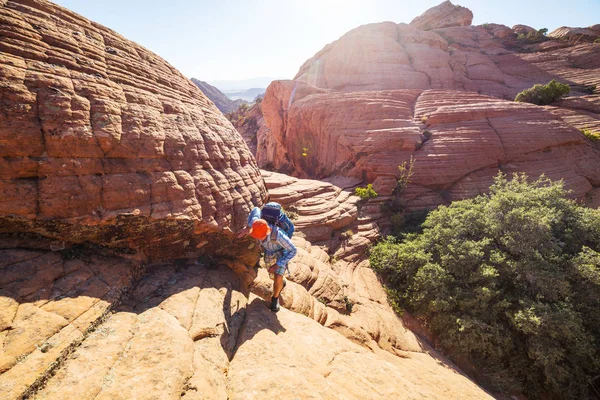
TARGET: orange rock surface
(187,331)
(103,141)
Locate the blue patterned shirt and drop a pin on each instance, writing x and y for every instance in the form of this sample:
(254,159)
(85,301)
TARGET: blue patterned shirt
(279,246)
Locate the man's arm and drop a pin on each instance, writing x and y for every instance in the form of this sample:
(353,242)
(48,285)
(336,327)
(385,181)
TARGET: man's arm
(289,249)
(254,215)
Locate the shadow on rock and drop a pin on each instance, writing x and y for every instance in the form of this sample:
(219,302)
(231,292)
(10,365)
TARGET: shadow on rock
(49,303)
(258,318)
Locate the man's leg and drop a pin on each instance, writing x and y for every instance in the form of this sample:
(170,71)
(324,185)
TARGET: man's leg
(277,285)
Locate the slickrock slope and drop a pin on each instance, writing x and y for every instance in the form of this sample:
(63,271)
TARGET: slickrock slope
(103,141)
(188,331)
(48,303)
(339,291)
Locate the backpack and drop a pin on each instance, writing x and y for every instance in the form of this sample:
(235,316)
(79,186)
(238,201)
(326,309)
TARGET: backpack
(273,213)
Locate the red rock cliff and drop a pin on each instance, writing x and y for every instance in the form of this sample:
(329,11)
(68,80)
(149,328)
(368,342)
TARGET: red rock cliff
(103,141)
(442,94)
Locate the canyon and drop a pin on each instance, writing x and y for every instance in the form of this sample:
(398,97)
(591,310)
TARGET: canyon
(123,188)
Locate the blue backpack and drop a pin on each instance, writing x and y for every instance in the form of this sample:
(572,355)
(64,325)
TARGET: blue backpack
(273,213)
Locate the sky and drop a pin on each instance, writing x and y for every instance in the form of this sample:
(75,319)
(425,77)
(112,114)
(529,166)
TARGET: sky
(241,39)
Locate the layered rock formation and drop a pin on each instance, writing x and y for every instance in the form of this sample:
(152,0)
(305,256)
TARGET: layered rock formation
(588,34)
(223,103)
(442,16)
(438,94)
(103,141)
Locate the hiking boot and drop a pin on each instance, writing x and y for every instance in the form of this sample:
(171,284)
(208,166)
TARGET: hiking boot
(274,304)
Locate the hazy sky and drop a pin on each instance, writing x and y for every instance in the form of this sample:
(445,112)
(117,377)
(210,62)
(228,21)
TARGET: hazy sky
(238,39)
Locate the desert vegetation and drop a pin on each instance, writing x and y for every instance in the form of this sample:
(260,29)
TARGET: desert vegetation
(533,37)
(509,281)
(365,193)
(590,134)
(543,94)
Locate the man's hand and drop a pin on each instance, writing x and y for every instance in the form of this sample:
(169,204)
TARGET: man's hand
(243,232)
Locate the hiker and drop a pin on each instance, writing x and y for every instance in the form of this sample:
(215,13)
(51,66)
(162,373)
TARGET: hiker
(273,229)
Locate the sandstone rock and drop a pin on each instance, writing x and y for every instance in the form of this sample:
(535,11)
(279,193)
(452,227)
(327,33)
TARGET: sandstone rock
(498,30)
(442,16)
(365,128)
(577,65)
(523,29)
(113,145)
(146,350)
(403,57)
(48,304)
(374,132)
(321,207)
(339,370)
(339,291)
(579,34)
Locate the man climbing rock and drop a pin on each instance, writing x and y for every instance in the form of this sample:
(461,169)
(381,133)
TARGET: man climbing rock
(273,229)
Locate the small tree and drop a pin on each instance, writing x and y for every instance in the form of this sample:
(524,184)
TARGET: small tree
(543,94)
(365,193)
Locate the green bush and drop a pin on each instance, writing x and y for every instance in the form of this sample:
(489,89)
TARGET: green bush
(597,41)
(509,281)
(533,37)
(365,193)
(543,94)
(593,136)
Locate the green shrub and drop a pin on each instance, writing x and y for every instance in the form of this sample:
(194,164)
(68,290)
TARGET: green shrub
(593,136)
(533,37)
(509,281)
(365,193)
(407,223)
(543,94)
(597,41)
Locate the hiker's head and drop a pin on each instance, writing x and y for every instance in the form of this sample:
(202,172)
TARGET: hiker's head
(260,229)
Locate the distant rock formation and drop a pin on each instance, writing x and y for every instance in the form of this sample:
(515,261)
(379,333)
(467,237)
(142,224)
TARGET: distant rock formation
(443,16)
(223,103)
(102,141)
(588,34)
(248,95)
(440,97)
(247,120)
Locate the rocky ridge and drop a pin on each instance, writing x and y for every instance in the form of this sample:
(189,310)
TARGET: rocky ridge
(223,103)
(438,95)
(113,143)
